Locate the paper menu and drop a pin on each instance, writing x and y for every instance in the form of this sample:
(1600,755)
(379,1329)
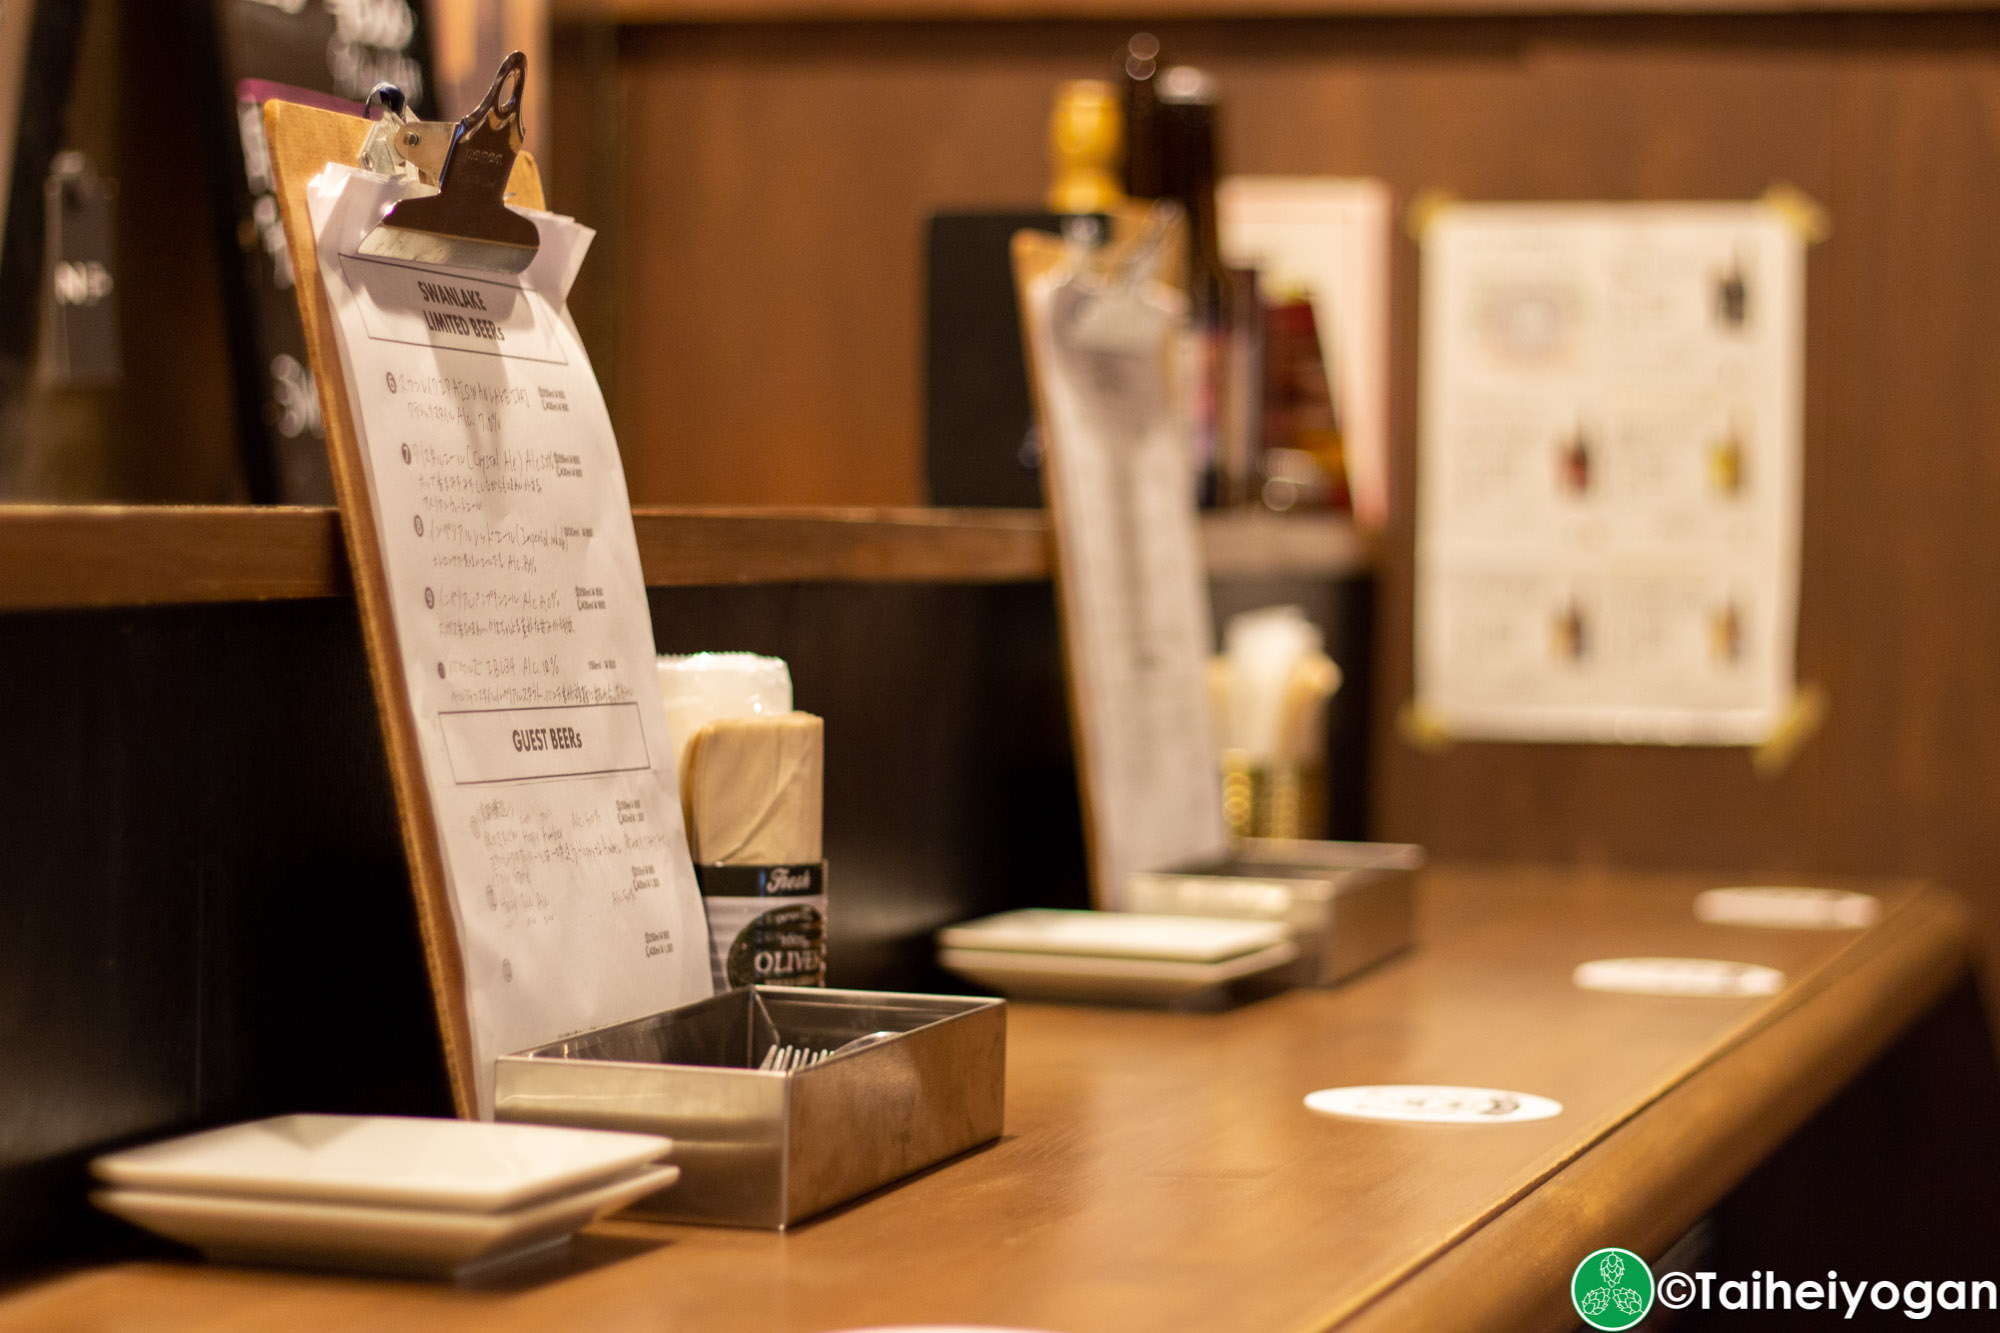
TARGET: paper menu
(1133,592)
(1331,236)
(522,629)
(1609,471)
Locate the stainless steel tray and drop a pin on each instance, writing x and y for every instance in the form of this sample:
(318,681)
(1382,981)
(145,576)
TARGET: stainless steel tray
(768,1149)
(1350,904)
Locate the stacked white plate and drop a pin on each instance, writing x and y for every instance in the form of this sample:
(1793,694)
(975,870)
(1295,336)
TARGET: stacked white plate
(1131,957)
(381,1193)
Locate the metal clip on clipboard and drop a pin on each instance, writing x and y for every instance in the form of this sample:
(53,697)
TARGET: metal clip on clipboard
(1136,262)
(1106,300)
(466,223)
(1121,264)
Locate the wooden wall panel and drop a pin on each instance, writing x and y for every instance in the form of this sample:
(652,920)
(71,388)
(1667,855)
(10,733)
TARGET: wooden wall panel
(165,432)
(1892,126)
(766,298)
(776,186)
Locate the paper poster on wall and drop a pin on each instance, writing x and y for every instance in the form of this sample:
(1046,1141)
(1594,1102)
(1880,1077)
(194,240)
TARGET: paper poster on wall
(1326,239)
(1609,471)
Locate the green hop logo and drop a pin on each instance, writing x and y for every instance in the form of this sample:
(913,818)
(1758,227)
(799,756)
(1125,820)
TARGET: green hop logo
(1612,1289)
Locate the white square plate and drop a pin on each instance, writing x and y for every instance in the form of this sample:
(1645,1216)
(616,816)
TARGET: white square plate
(465,1165)
(1049,976)
(1181,939)
(413,1241)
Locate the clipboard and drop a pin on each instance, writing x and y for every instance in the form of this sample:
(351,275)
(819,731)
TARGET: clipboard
(302,141)
(1037,255)
(1123,834)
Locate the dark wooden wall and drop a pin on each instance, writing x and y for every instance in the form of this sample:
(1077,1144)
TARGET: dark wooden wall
(757,305)
(166,432)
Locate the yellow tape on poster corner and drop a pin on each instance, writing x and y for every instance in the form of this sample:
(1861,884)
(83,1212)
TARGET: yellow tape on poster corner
(1424,729)
(1799,724)
(1423,210)
(1804,212)
(1788,201)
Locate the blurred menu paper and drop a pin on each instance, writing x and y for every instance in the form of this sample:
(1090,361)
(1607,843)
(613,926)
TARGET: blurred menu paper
(519,617)
(1608,489)
(1328,237)
(1099,327)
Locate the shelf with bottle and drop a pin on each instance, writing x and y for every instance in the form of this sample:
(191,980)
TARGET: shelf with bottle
(55,557)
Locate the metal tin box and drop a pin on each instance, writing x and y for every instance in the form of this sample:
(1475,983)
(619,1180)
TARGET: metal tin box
(1350,904)
(766,1149)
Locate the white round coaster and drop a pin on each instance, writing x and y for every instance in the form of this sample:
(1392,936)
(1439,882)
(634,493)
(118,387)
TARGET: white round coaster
(1422,1103)
(1788,908)
(1678,976)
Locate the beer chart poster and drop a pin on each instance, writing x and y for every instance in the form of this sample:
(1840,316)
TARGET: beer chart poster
(1609,471)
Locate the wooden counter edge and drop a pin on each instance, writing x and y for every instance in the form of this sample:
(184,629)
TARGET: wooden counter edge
(1644,1184)
(1155,11)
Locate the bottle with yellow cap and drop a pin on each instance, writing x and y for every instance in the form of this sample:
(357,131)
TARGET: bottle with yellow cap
(1086,138)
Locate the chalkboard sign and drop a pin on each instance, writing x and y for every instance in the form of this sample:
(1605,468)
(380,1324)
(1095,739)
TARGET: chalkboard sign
(321,54)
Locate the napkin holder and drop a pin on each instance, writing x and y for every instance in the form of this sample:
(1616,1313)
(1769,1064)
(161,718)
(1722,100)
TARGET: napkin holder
(1349,904)
(760,1149)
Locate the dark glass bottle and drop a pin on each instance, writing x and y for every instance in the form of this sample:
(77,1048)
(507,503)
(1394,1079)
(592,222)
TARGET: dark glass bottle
(1138,68)
(1219,357)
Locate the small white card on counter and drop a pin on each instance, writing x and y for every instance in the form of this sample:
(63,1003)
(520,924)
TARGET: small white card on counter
(1786,908)
(520,617)
(1705,977)
(1423,1103)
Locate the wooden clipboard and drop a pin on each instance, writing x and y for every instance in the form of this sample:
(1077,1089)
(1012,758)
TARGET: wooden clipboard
(1036,255)
(302,140)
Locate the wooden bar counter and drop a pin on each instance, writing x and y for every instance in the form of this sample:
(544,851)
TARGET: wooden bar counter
(1160,1171)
